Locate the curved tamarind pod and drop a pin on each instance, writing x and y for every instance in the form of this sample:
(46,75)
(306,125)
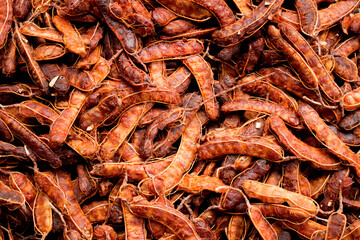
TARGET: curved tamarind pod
(325,135)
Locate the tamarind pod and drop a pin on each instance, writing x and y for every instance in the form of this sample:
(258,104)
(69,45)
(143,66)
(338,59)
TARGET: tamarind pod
(6,19)
(332,189)
(191,103)
(306,73)
(178,26)
(105,232)
(335,12)
(27,54)
(136,171)
(93,117)
(42,214)
(317,156)
(9,64)
(306,229)
(308,16)
(130,73)
(7,149)
(293,180)
(350,121)
(30,139)
(325,135)
(86,183)
(10,198)
(127,122)
(129,41)
(56,77)
(203,229)
(187,9)
(162,16)
(46,52)
(283,213)
(181,163)
(134,225)
(231,199)
(282,78)
(266,90)
(78,140)
(143,24)
(177,222)
(326,83)
(336,226)
(237,228)
(73,209)
(261,224)
(180,79)
(274,194)
(248,24)
(165,50)
(352,100)
(220,9)
(71,36)
(248,61)
(346,69)
(31,29)
(196,184)
(165,119)
(235,145)
(96,211)
(205,79)
(21,183)
(266,107)
(60,128)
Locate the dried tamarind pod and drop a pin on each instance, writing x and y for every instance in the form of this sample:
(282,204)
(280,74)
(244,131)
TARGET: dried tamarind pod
(31,140)
(42,214)
(274,194)
(308,16)
(60,128)
(173,219)
(31,29)
(325,135)
(267,107)
(72,39)
(27,54)
(6,13)
(236,145)
(248,24)
(117,135)
(300,149)
(164,50)
(204,77)
(182,161)
(188,9)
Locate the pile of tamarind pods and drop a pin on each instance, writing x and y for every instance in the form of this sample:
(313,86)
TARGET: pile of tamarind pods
(179,119)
